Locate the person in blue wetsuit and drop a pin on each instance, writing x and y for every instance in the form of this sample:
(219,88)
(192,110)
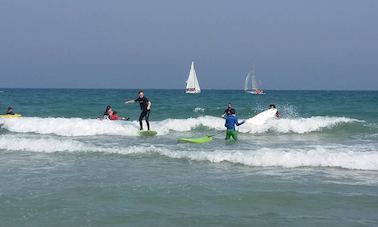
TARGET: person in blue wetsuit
(231,122)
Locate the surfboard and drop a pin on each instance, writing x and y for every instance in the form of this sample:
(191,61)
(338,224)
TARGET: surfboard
(147,133)
(204,139)
(10,115)
(262,117)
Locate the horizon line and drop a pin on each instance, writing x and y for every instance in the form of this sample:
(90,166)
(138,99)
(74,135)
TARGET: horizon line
(208,89)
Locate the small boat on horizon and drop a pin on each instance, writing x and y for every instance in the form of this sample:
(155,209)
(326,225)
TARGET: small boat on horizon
(250,85)
(192,84)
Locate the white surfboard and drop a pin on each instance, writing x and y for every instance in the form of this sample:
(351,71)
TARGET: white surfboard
(262,117)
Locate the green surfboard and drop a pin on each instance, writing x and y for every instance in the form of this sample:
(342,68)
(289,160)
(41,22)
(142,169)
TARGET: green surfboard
(204,139)
(147,133)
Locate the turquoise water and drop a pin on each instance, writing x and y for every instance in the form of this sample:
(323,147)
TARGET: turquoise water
(316,166)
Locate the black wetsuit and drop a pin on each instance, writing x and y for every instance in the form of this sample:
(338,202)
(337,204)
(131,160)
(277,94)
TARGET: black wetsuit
(143,102)
(227,111)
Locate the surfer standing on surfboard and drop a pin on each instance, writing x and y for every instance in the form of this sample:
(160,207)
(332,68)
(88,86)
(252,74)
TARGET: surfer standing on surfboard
(145,106)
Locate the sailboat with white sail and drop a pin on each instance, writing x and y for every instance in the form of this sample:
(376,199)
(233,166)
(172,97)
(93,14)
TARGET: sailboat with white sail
(250,85)
(192,84)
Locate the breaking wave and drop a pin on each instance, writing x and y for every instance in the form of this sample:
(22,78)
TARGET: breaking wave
(90,127)
(341,156)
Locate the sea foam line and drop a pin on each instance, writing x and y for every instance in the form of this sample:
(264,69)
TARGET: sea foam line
(90,127)
(348,157)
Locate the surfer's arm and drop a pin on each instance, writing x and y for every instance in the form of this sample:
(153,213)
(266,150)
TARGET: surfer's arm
(149,105)
(240,123)
(130,101)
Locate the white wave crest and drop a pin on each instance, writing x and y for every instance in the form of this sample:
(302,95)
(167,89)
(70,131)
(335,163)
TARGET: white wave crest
(297,125)
(69,126)
(199,110)
(348,157)
(90,127)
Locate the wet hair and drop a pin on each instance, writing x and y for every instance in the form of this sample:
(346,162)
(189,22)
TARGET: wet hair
(272,106)
(108,107)
(232,111)
(140,91)
(9,108)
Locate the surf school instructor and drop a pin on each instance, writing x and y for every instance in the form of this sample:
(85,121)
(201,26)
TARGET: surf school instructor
(145,107)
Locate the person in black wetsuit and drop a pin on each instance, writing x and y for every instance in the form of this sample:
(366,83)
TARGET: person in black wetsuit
(227,111)
(10,111)
(145,106)
(107,112)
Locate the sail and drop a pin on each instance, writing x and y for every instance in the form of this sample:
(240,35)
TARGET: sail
(251,85)
(192,85)
(254,82)
(250,81)
(247,81)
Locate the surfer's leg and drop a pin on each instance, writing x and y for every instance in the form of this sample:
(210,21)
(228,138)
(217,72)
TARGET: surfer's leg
(140,120)
(146,117)
(234,135)
(228,135)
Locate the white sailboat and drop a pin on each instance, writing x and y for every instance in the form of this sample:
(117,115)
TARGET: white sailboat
(192,85)
(250,85)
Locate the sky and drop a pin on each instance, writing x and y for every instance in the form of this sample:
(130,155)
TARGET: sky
(293,44)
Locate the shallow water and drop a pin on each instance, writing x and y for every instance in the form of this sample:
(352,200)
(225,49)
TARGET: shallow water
(317,165)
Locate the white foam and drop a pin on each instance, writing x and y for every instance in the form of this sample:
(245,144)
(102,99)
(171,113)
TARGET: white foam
(90,127)
(301,157)
(185,125)
(69,126)
(297,125)
(360,157)
(199,110)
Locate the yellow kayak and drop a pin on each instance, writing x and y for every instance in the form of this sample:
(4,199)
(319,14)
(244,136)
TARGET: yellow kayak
(10,115)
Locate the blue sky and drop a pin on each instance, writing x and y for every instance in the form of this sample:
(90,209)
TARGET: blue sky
(150,44)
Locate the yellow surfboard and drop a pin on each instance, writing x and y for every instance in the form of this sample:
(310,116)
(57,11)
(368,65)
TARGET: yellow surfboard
(10,115)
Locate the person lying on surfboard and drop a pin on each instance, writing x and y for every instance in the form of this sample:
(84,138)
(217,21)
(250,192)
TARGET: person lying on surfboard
(228,110)
(10,111)
(145,107)
(114,116)
(273,106)
(231,121)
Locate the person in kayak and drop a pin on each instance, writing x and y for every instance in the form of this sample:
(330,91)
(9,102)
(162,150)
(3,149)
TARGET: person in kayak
(273,106)
(145,107)
(231,121)
(228,110)
(10,111)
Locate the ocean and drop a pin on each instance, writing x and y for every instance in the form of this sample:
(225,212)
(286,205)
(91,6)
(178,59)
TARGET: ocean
(315,166)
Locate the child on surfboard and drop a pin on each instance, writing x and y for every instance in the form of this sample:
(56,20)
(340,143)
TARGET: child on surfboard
(114,116)
(145,107)
(231,121)
(109,114)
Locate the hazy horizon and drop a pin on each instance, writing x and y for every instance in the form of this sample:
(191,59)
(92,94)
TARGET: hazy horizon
(294,45)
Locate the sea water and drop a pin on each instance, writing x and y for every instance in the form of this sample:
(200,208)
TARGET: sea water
(315,166)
